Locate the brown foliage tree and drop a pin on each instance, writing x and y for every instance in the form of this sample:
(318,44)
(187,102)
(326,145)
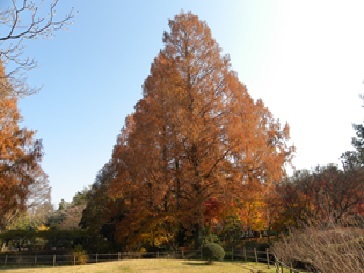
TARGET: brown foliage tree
(196,135)
(326,193)
(20,155)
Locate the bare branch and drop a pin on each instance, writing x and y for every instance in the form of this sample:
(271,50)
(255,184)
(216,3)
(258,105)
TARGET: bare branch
(22,21)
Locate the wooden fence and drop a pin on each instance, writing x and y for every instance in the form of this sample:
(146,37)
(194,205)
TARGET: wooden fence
(280,267)
(243,254)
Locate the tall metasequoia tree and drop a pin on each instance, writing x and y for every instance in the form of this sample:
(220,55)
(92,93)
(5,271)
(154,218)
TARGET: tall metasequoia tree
(196,135)
(20,155)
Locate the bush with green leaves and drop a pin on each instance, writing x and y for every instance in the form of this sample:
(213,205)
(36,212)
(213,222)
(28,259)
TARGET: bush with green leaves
(212,251)
(212,238)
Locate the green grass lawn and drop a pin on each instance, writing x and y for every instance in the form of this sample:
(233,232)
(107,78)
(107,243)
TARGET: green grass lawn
(150,266)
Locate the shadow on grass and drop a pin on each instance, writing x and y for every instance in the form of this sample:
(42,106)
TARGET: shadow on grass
(196,263)
(13,267)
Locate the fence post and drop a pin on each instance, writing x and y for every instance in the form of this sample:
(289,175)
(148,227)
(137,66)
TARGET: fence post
(74,259)
(183,255)
(268,262)
(54,260)
(35,260)
(232,253)
(290,267)
(119,256)
(244,252)
(255,255)
(96,257)
(282,267)
(6,260)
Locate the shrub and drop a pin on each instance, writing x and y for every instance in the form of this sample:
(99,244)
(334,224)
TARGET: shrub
(326,248)
(212,251)
(212,238)
(80,255)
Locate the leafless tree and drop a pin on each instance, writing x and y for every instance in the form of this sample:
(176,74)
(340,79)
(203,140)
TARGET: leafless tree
(24,20)
(328,247)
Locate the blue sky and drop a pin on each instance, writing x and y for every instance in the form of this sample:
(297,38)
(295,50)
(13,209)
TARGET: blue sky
(304,59)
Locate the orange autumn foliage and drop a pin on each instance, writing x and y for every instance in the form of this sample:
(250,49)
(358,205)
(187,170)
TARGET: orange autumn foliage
(196,135)
(20,155)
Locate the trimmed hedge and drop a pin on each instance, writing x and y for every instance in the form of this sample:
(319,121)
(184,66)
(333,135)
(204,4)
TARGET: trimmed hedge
(212,251)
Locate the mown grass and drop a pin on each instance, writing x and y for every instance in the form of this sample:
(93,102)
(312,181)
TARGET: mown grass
(150,266)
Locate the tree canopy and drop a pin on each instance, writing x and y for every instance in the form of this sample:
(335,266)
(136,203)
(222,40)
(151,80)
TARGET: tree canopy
(196,135)
(20,156)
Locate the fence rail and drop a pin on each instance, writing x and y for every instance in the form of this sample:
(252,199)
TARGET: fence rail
(280,266)
(244,255)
